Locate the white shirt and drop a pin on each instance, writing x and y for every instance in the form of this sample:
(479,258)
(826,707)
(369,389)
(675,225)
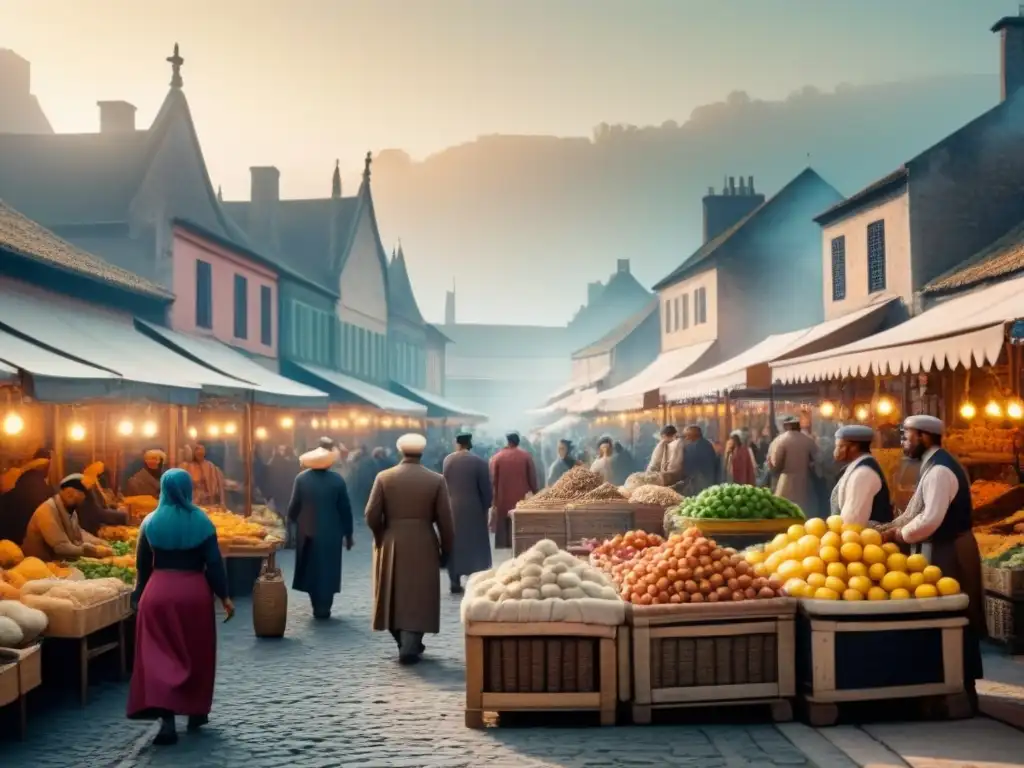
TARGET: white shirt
(667,457)
(602,466)
(938,487)
(857,489)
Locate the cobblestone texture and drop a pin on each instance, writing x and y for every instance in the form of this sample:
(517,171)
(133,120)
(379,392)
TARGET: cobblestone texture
(331,694)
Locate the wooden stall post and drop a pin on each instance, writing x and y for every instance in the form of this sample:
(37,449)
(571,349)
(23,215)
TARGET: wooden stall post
(58,441)
(247,453)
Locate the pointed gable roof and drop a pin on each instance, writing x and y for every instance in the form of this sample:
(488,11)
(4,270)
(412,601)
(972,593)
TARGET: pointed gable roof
(401,298)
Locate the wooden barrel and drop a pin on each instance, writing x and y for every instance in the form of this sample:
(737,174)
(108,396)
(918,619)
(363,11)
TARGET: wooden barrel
(269,603)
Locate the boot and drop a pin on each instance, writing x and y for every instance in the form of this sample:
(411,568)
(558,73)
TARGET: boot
(168,733)
(195,722)
(456,585)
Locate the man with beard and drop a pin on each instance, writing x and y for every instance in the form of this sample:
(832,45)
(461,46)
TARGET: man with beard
(937,523)
(563,463)
(207,479)
(54,533)
(861,494)
(146,482)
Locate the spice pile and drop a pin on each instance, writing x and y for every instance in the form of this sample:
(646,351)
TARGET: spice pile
(604,492)
(637,479)
(572,486)
(655,495)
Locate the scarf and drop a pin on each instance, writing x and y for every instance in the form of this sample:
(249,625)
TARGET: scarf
(177,523)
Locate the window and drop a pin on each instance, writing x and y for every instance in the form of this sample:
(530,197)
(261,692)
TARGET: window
(680,320)
(266,316)
(700,306)
(241,307)
(685,299)
(839,268)
(204,295)
(667,312)
(876,256)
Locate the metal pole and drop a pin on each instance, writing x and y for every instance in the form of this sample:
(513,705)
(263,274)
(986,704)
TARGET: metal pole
(247,452)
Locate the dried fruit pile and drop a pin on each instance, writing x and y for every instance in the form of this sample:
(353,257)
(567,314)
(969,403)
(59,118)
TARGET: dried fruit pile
(690,568)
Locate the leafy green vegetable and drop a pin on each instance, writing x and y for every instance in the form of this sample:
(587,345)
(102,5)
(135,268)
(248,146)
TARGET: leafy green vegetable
(121,548)
(102,571)
(1012,559)
(737,502)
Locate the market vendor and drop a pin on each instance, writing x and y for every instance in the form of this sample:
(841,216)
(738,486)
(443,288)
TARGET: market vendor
(563,463)
(31,488)
(54,533)
(937,523)
(207,479)
(861,494)
(667,459)
(93,511)
(603,463)
(146,482)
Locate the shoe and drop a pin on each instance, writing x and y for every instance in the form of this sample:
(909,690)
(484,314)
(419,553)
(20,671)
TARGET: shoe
(168,733)
(195,722)
(409,659)
(457,589)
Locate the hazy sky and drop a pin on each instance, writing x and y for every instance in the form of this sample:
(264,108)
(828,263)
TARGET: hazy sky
(299,83)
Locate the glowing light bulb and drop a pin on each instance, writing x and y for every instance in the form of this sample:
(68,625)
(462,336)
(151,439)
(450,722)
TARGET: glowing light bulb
(230,428)
(827,409)
(334,423)
(363,422)
(13,424)
(353,415)
(862,413)
(386,423)
(968,411)
(885,407)
(213,430)
(399,422)
(149,428)
(287,422)
(261,433)
(1015,410)
(993,410)
(344,423)
(77,433)
(193,432)
(314,423)
(125,428)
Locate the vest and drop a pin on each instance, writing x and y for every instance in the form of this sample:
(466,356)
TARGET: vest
(958,516)
(881,505)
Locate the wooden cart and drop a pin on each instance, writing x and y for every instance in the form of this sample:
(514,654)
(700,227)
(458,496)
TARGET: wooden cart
(840,644)
(709,654)
(540,667)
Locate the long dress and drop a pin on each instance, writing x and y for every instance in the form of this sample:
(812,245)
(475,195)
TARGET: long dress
(469,488)
(175,629)
(321,511)
(513,475)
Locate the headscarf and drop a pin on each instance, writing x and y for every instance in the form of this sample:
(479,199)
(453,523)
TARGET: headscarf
(177,523)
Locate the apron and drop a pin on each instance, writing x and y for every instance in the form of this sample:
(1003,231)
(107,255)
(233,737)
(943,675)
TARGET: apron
(959,558)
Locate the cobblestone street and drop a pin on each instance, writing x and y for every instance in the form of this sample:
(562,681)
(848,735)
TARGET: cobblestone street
(332,694)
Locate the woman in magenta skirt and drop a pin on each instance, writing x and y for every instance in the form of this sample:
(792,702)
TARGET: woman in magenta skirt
(180,570)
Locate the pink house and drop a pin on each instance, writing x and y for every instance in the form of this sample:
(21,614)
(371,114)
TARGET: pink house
(223,292)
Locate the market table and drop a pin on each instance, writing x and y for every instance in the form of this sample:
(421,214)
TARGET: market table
(243,565)
(20,673)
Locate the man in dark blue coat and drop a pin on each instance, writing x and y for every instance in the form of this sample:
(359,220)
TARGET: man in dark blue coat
(321,510)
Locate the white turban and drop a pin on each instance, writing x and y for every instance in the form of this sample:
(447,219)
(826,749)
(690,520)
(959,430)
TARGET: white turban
(411,444)
(929,424)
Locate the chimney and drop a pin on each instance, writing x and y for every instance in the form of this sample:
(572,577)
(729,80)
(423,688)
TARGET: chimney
(724,210)
(594,292)
(265,193)
(1011,57)
(15,75)
(116,116)
(623,266)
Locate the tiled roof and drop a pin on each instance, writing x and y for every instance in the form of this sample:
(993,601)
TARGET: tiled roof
(703,255)
(23,237)
(877,189)
(401,299)
(619,333)
(304,232)
(1000,259)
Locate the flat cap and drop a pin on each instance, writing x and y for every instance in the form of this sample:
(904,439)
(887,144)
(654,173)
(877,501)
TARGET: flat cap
(856,433)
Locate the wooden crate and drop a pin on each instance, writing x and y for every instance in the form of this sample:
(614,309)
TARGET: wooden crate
(10,690)
(862,652)
(649,518)
(597,520)
(532,525)
(82,622)
(712,654)
(540,667)
(1002,581)
(30,668)
(1004,619)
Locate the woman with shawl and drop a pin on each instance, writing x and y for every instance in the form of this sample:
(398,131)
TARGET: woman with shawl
(180,571)
(739,464)
(146,482)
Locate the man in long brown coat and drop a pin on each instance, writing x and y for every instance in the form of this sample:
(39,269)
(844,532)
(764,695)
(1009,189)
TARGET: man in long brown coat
(792,458)
(513,475)
(410,516)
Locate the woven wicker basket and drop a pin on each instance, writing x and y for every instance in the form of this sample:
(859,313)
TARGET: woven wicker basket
(269,603)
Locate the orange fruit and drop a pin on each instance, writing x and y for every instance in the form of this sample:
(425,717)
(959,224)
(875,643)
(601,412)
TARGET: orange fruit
(851,552)
(948,586)
(814,565)
(829,554)
(873,554)
(877,571)
(870,536)
(853,594)
(932,574)
(897,561)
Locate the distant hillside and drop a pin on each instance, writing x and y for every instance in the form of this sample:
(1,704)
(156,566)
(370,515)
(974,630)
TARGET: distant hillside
(523,222)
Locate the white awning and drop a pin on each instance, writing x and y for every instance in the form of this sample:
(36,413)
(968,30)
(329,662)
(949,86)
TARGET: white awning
(562,425)
(587,373)
(732,374)
(749,369)
(629,395)
(965,330)
(586,401)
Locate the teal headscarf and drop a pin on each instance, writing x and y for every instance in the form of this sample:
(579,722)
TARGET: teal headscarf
(177,523)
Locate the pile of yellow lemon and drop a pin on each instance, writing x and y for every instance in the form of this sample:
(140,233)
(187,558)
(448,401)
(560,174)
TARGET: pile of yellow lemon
(833,560)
